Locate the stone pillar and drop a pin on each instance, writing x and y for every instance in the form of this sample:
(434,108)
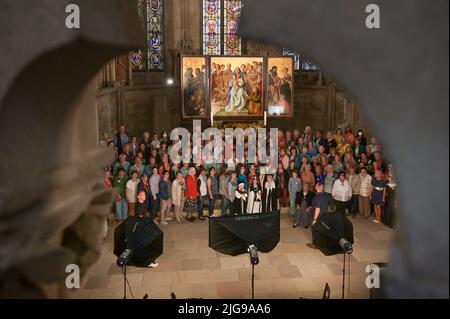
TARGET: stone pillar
(52,215)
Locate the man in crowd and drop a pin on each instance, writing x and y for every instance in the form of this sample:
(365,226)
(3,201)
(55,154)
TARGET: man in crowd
(121,138)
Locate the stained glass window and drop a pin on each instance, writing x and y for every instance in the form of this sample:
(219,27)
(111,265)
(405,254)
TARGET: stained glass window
(308,65)
(296,56)
(212,27)
(219,22)
(299,63)
(232,43)
(151,57)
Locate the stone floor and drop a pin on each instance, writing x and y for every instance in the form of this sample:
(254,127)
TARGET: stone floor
(191,269)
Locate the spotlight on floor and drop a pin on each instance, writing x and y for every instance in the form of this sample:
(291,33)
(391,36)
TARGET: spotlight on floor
(253,251)
(169,81)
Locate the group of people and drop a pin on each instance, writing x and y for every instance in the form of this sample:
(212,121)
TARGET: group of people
(339,172)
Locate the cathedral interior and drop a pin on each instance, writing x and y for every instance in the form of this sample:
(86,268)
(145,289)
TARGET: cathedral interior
(62,90)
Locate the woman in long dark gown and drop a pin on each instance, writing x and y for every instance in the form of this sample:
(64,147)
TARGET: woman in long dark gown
(390,206)
(270,196)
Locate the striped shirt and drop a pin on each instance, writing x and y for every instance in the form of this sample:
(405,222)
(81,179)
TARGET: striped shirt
(365,185)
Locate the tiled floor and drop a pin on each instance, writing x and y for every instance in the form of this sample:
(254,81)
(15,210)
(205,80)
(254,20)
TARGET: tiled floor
(192,270)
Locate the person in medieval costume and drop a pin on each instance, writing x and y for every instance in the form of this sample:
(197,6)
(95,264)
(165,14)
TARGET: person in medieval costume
(254,204)
(240,200)
(270,196)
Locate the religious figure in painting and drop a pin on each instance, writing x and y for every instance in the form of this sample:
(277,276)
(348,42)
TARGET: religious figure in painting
(280,85)
(237,96)
(274,86)
(286,84)
(237,86)
(194,91)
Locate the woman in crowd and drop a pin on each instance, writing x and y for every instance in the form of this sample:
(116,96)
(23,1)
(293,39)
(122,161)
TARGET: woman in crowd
(308,176)
(378,161)
(138,166)
(242,178)
(144,186)
(349,137)
(324,162)
(362,139)
(224,178)
(365,162)
(213,190)
(191,205)
(107,179)
(295,186)
(281,180)
(165,195)
(338,137)
(131,193)
(254,203)
(312,151)
(319,175)
(303,203)
(122,163)
(293,157)
(119,183)
(307,134)
(355,183)
(178,192)
(231,188)
(357,148)
(165,164)
(303,164)
(378,193)
(202,182)
(291,169)
(251,172)
(391,199)
(270,196)
(364,193)
(284,158)
(337,164)
(154,189)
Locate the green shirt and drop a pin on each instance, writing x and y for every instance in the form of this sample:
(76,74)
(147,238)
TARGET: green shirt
(120,184)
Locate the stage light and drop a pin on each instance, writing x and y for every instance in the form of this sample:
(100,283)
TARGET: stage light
(124,258)
(169,81)
(253,251)
(346,246)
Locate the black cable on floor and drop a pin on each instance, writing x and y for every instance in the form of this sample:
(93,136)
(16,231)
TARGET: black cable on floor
(131,291)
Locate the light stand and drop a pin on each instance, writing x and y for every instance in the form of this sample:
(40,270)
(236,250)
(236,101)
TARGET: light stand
(343,278)
(253,281)
(348,249)
(254,260)
(124,271)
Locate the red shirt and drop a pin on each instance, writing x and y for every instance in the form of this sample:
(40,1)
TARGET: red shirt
(191,187)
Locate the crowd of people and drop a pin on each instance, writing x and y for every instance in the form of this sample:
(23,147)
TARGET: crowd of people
(339,172)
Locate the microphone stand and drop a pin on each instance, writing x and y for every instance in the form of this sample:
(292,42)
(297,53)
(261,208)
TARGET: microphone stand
(124,270)
(253,281)
(343,278)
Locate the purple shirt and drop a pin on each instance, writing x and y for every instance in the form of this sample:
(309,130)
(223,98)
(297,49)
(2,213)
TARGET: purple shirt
(154,184)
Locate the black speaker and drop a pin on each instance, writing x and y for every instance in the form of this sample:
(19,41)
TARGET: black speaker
(329,230)
(142,237)
(232,235)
